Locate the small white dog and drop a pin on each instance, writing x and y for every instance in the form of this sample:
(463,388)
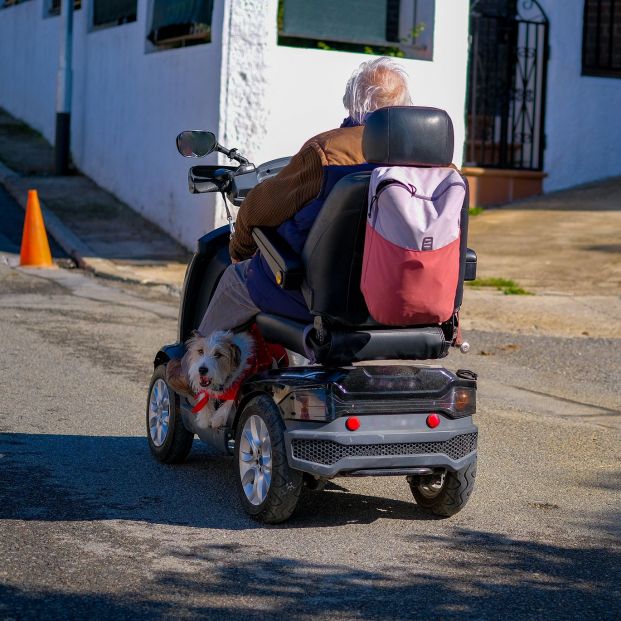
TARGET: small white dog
(214,364)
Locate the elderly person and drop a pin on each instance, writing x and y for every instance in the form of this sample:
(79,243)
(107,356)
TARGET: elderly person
(292,199)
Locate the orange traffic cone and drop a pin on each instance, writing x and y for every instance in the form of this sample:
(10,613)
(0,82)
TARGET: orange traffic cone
(35,250)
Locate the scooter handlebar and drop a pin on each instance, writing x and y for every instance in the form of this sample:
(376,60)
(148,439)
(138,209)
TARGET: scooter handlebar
(203,179)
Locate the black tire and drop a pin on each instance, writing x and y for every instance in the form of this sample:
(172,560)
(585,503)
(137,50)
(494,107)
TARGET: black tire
(448,499)
(177,441)
(285,485)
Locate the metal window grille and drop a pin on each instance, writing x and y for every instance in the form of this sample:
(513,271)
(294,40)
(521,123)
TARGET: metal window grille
(601,38)
(392,20)
(507,85)
(113,12)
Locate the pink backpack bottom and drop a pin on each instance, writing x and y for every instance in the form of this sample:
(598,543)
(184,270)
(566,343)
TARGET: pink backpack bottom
(409,287)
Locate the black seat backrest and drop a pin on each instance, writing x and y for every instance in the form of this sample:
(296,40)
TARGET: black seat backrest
(332,254)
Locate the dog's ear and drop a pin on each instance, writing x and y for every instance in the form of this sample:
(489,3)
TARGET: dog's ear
(176,377)
(236,357)
(226,336)
(194,335)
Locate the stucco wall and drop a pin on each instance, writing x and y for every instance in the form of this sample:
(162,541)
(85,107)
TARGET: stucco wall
(28,63)
(133,104)
(294,93)
(583,118)
(128,106)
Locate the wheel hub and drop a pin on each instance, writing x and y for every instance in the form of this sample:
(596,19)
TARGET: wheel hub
(255,460)
(430,486)
(159,412)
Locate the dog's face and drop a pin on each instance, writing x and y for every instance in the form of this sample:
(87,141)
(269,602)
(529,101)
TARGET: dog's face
(211,361)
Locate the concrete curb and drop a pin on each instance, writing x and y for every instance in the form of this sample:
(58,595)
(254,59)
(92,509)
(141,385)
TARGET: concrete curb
(84,256)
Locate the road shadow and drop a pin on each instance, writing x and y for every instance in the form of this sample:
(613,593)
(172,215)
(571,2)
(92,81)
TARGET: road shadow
(460,574)
(77,478)
(487,576)
(608,248)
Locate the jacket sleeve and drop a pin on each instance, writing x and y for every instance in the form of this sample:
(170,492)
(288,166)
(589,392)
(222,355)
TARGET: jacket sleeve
(277,199)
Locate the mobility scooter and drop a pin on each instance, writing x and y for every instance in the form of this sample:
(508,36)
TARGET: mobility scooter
(362,402)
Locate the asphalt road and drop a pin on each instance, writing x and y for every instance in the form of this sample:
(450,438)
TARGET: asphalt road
(92,527)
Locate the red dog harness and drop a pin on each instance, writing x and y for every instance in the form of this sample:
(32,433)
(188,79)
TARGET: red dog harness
(202,398)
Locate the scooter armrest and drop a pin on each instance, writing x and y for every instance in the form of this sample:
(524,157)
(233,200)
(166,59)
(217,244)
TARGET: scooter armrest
(284,263)
(471,264)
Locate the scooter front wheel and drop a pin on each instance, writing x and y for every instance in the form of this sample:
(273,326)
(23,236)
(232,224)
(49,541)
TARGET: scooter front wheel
(170,442)
(268,488)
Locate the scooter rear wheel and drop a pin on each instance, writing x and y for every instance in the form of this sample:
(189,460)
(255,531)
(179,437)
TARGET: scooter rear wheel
(170,442)
(445,493)
(268,488)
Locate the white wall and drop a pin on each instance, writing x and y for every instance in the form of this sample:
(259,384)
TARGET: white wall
(28,63)
(583,113)
(128,106)
(302,92)
(132,105)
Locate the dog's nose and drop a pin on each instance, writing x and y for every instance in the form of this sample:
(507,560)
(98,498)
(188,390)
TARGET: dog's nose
(203,370)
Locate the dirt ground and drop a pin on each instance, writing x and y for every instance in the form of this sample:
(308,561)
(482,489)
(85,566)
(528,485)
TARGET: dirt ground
(565,248)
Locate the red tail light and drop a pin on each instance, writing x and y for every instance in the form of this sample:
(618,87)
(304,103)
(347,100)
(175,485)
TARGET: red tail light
(352,423)
(433,420)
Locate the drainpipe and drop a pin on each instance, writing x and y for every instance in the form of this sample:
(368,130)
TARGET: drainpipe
(64,80)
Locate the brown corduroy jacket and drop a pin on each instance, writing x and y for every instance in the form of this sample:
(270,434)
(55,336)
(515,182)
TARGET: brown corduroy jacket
(277,199)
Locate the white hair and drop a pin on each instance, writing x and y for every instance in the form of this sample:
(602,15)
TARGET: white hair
(376,84)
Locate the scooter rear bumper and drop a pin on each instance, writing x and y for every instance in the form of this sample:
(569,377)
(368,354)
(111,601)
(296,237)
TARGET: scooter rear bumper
(383,442)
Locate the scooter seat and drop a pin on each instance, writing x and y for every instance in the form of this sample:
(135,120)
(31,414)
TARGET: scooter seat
(342,347)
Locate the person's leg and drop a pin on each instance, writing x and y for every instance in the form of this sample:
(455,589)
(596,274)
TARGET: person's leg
(231,304)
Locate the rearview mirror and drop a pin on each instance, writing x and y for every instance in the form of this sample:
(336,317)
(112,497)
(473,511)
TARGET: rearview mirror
(196,143)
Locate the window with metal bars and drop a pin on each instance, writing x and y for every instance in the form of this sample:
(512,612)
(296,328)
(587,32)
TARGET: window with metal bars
(114,12)
(401,28)
(179,23)
(54,6)
(601,38)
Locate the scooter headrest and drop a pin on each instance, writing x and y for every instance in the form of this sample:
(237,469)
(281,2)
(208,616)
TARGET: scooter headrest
(408,136)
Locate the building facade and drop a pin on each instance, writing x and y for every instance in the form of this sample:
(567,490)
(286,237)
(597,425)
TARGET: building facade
(265,75)
(544,87)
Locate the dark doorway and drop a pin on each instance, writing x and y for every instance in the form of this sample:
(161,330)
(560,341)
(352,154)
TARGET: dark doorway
(506,85)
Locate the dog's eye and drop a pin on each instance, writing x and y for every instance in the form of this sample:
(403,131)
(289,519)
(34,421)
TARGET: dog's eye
(217,355)
(201,352)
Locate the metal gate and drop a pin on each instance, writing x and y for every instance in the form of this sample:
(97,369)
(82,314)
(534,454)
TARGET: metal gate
(507,85)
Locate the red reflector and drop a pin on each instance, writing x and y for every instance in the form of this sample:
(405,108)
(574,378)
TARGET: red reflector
(352,423)
(433,420)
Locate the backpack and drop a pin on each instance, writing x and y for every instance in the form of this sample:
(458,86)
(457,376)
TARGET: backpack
(410,268)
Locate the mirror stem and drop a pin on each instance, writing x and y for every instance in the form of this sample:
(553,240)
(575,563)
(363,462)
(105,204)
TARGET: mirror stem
(233,155)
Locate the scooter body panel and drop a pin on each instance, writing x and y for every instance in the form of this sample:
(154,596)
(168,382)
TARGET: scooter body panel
(201,279)
(391,404)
